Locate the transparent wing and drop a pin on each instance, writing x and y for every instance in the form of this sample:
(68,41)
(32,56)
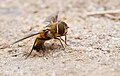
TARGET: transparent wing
(27,36)
(52,18)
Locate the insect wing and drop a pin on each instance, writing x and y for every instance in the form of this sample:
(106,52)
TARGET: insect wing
(52,18)
(27,36)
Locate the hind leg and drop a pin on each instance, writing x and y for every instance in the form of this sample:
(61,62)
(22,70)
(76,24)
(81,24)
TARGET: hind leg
(31,49)
(38,45)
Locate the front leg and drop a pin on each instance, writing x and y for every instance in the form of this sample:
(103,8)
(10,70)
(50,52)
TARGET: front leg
(65,41)
(60,42)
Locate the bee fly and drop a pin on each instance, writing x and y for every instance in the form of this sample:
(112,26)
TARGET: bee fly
(54,30)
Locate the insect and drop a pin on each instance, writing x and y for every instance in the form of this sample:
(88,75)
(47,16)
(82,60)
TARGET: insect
(54,30)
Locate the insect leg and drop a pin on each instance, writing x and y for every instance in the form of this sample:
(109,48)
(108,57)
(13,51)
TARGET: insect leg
(64,40)
(60,42)
(43,47)
(31,49)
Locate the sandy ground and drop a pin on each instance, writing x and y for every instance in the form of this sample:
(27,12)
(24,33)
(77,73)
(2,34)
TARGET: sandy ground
(94,41)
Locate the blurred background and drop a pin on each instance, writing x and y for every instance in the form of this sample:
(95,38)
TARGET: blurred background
(94,40)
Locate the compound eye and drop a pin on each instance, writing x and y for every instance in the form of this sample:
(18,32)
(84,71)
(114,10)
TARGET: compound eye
(60,28)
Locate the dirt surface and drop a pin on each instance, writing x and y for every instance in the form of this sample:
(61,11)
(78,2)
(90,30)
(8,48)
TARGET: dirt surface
(94,41)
